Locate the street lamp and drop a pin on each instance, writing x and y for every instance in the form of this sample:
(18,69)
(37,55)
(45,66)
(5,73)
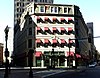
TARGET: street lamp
(30,54)
(6,52)
(69,51)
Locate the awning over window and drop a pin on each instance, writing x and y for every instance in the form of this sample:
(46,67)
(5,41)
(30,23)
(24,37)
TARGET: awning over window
(70,41)
(54,28)
(78,56)
(46,28)
(54,41)
(46,41)
(38,41)
(70,53)
(62,29)
(46,18)
(38,28)
(62,19)
(38,53)
(54,19)
(69,19)
(70,29)
(38,17)
(63,41)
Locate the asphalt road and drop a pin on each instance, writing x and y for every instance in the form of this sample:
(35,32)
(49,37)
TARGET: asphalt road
(88,73)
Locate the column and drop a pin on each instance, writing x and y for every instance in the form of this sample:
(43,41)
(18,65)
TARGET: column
(66,63)
(42,63)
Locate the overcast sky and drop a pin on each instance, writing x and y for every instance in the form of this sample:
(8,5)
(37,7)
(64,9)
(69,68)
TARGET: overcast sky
(89,8)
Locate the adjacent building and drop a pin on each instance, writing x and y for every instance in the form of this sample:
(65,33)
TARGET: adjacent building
(92,50)
(1,54)
(54,32)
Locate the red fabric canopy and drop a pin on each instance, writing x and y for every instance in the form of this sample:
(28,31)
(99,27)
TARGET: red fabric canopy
(54,19)
(70,29)
(38,17)
(70,41)
(70,53)
(54,28)
(38,53)
(62,29)
(46,28)
(62,19)
(54,41)
(46,41)
(38,41)
(38,28)
(63,41)
(46,18)
(78,56)
(69,18)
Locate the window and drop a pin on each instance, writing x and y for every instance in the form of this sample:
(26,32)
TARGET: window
(54,9)
(69,10)
(38,45)
(51,9)
(17,9)
(17,4)
(30,20)
(62,45)
(45,45)
(42,9)
(30,43)
(30,31)
(65,10)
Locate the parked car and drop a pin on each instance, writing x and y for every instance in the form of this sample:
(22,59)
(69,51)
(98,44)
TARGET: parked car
(92,64)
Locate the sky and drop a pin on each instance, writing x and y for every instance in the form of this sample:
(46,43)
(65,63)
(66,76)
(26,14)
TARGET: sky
(89,8)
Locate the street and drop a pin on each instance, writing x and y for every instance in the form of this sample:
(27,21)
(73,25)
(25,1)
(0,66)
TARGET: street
(56,73)
(89,73)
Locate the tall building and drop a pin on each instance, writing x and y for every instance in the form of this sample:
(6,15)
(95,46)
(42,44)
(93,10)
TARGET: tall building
(20,4)
(52,32)
(91,44)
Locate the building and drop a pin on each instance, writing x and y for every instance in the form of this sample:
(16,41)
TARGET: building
(54,32)
(20,4)
(1,53)
(92,50)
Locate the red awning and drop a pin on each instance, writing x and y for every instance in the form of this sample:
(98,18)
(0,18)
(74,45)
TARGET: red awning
(70,29)
(46,41)
(62,29)
(54,28)
(38,17)
(38,41)
(70,53)
(54,19)
(38,28)
(63,41)
(54,41)
(78,56)
(62,19)
(69,18)
(70,41)
(46,28)
(46,18)
(38,53)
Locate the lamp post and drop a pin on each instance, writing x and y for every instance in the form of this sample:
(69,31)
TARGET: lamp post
(30,54)
(69,51)
(6,53)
